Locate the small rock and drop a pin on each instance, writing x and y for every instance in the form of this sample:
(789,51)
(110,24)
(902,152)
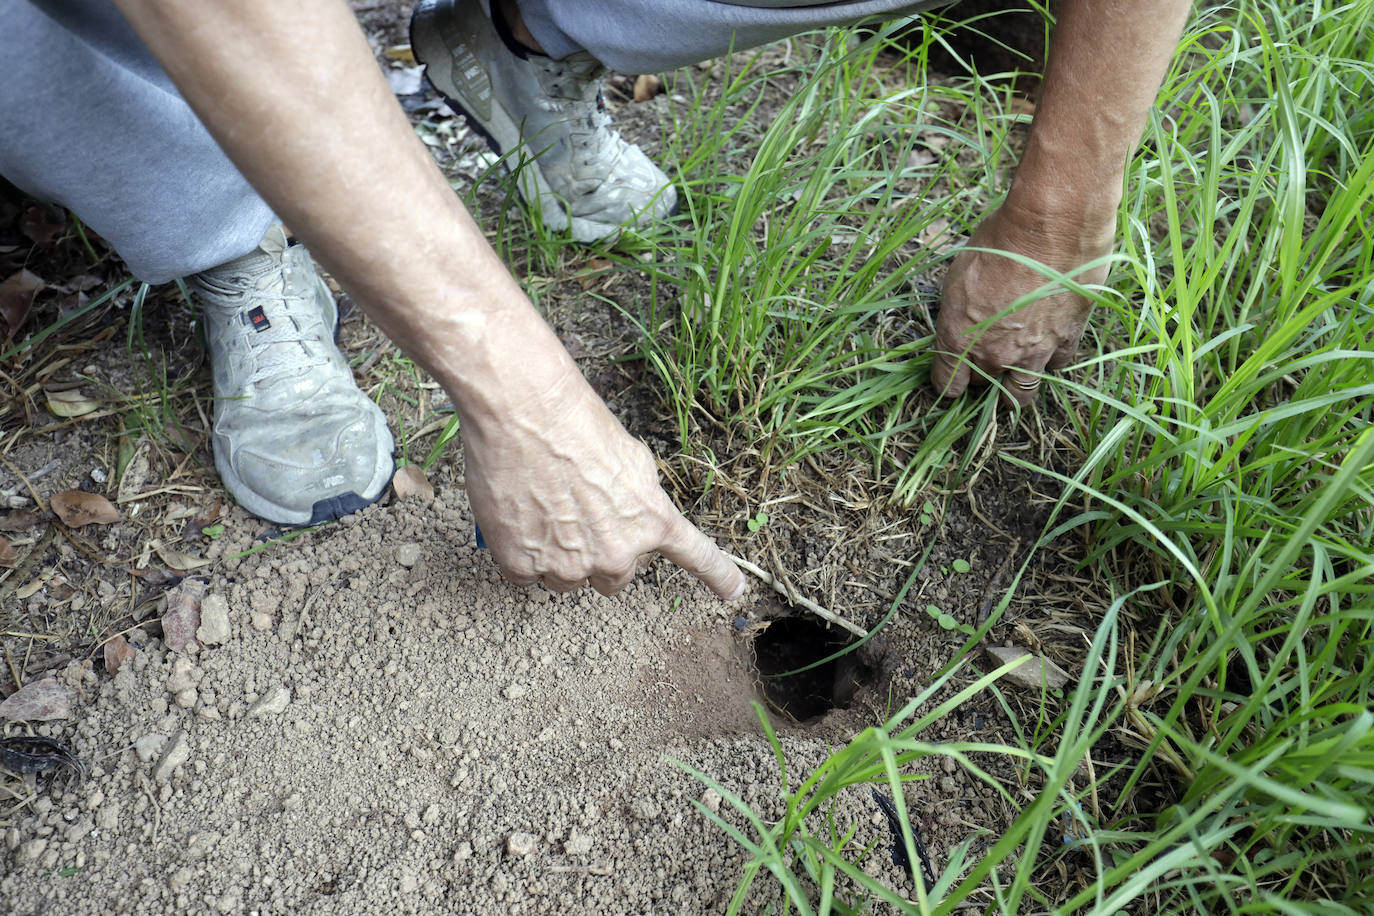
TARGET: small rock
(577,844)
(409,884)
(462,853)
(214,621)
(274,703)
(520,845)
(711,799)
(182,617)
(515,691)
(431,815)
(179,880)
(177,752)
(408,554)
(107,818)
(182,676)
(200,845)
(1031,674)
(30,850)
(40,700)
(593,650)
(261,622)
(12,839)
(117,653)
(186,698)
(644,809)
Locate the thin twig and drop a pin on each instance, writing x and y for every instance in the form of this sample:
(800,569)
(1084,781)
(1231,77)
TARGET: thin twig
(829,616)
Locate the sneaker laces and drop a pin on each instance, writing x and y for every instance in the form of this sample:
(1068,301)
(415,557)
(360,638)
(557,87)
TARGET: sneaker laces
(283,349)
(573,86)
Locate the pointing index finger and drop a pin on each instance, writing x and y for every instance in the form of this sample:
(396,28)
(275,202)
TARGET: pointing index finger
(686,546)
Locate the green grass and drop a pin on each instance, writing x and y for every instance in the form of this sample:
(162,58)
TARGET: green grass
(1225,486)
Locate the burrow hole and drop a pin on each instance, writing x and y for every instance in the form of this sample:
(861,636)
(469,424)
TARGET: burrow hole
(790,643)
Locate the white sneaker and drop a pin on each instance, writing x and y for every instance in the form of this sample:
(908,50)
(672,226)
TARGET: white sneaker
(546,117)
(295,441)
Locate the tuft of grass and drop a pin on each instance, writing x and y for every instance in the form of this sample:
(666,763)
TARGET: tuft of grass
(1225,489)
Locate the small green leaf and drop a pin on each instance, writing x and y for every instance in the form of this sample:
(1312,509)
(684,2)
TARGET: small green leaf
(212,531)
(960,566)
(948,622)
(933,611)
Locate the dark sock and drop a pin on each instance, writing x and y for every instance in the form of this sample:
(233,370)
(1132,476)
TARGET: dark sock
(503,30)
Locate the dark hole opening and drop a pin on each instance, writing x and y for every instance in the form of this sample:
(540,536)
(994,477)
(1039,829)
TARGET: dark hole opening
(790,643)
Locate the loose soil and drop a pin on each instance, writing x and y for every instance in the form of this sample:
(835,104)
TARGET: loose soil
(387,725)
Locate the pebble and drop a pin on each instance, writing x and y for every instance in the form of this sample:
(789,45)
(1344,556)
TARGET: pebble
(182,676)
(40,700)
(149,746)
(214,621)
(408,554)
(274,703)
(520,845)
(577,844)
(711,799)
(1029,674)
(261,622)
(186,698)
(515,691)
(178,751)
(32,849)
(179,879)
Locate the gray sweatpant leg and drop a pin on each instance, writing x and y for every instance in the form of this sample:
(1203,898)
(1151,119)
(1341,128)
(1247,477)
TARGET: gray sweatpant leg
(89,120)
(651,36)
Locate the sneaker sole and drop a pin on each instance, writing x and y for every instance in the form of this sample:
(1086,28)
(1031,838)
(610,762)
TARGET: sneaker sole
(501,132)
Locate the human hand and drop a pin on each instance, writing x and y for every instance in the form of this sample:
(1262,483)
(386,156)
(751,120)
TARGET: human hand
(564,495)
(981,285)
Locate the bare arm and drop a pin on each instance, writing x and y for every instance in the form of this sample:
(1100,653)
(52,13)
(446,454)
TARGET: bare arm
(1107,60)
(292,94)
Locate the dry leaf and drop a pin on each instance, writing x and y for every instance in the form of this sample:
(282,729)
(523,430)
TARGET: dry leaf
(647,86)
(137,472)
(410,481)
(9,557)
(401,53)
(117,652)
(178,560)
(37,224)
(78,508)
(70,403)
(19,520)
(38,701)
(16,298)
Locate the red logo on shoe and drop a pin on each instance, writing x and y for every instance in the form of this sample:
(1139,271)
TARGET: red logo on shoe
(258,319)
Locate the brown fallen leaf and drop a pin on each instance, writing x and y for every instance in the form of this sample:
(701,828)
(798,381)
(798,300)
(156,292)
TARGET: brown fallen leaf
(70,403)
(77,508)
(19,520)
(117,652)
(39,701)
(410,481)
(37,223)
(16,298)
(9,557)
(647,86)
(178,560)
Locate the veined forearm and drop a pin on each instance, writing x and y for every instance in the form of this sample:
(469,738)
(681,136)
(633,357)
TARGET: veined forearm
(1107,60)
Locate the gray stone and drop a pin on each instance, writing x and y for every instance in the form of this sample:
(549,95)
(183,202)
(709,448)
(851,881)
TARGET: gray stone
(177,752)
(408,554)
(214,621)
(521,845)
(149,746)
(1031,674)
(273,704)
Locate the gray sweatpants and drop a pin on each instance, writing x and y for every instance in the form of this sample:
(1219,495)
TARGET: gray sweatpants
(89,120)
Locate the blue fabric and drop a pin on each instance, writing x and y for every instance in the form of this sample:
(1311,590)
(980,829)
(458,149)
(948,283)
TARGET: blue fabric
(89,120)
